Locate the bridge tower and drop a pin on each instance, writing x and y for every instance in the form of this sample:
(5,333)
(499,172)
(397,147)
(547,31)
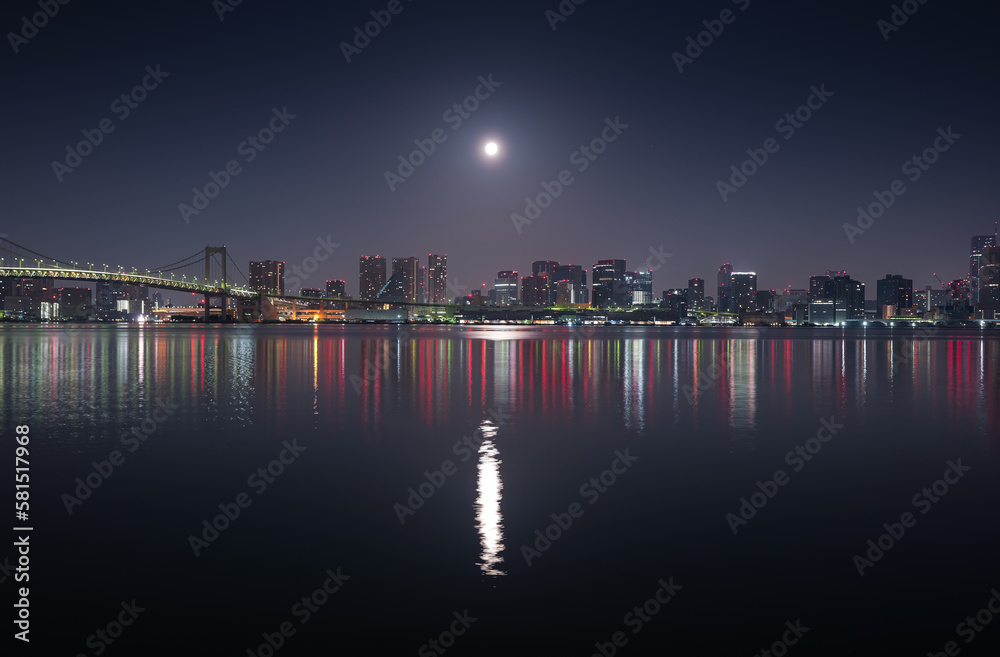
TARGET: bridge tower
(209,252)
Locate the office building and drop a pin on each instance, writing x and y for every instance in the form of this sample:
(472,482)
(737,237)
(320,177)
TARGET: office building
(743,286)
(765,301)
(75,302)
(639,287)
(576,275)
(609,288)
(989,284)
(724,301)
(565,292)
(979,242)
(535,290)
(267,276)
(677,300)
(394,290)
(410,267)
(437,279)
(547,269)
(822,312)
(336,289)
(817,286)
(696,294)
(505,288)
(895,291)
(372,277)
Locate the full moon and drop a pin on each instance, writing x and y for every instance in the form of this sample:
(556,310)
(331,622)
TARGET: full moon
(492,148)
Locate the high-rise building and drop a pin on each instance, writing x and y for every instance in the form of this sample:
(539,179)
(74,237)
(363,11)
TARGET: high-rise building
(979,242)
(535,291)
(766,301)
(609,289)
(817,286)
(75,302)
(744,291)
(312,292)
(565,292)
(336,289)
(576,275)
(372,277)
(394,290)
(267,276)
(724,302)
(639,287)
(677,300)
(848,295)
(893,290)
(410,268)
(422,293)
(696,294)
(505,288)
(988,306)
(437,278)
(547,269)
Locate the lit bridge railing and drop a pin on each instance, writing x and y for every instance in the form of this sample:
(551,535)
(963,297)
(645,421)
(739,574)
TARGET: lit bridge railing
(124,277)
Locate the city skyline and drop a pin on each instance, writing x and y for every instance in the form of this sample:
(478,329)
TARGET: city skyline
(645,136)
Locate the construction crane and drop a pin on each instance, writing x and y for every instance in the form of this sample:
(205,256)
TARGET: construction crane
(943,286)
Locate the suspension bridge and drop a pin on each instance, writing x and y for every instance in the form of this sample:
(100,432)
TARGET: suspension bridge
(208,272)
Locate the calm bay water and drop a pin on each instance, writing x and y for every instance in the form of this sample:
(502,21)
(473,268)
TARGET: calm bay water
(421,462)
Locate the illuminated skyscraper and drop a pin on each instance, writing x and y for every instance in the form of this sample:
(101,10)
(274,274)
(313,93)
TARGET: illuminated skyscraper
(546,269)
(576,275)
(267,276)
(893,290)
(437,278)
(372,276)
(411,272)
(724,301)
(979,242)
(696,293)
(988,306)
(744,291)
(609,289)
(336,289)
(505,288)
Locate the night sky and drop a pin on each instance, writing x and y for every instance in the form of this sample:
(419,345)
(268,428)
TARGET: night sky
(656,184)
